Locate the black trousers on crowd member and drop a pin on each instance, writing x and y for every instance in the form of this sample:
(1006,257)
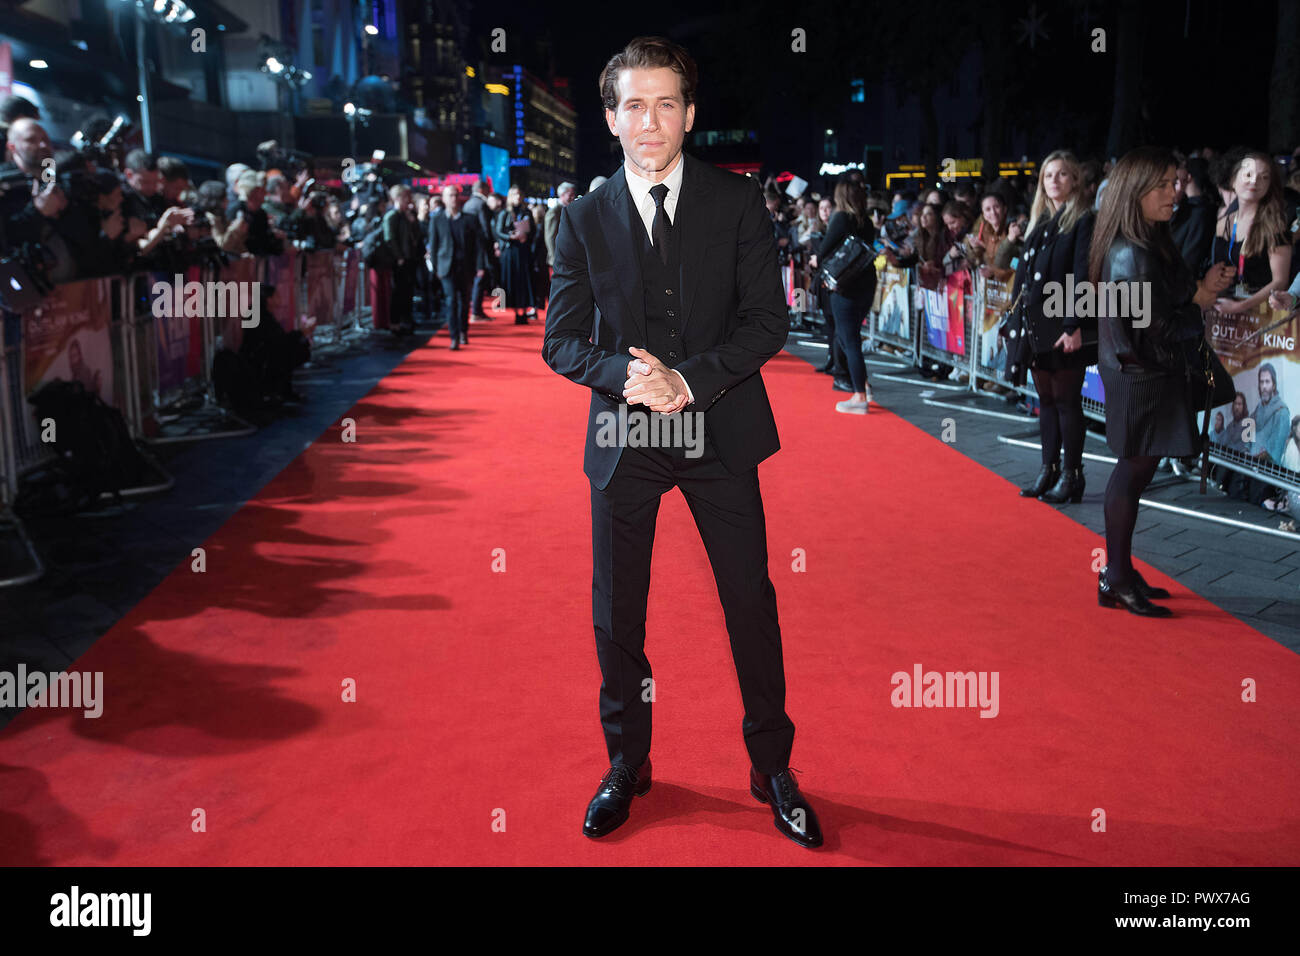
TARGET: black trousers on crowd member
(483,286)
(835,358)
(728,511)
(456,287)
(848,314)
(401,305)
(1060,415)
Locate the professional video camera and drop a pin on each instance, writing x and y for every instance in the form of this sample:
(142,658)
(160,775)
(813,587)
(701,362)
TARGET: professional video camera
(103,142)
(291,162)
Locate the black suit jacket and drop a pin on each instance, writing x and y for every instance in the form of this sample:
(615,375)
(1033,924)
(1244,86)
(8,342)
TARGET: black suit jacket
(442,247)
(733,308)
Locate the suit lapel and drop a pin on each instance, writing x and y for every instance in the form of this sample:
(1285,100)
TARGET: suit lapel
(618,219)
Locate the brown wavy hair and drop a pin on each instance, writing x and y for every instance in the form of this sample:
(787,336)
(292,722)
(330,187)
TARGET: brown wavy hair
(1137,173)
(850,197)
(649,53)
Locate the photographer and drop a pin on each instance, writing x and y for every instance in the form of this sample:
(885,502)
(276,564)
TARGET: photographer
(307,226)
(145,200)
(32,203)
(250,231)
(93,225)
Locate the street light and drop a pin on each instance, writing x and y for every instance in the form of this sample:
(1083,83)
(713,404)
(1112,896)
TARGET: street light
(353,113)
(172,13)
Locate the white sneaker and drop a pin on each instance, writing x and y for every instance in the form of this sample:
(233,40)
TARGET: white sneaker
(850,407)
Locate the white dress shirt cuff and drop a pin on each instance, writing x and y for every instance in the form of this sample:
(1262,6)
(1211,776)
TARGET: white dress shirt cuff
(690,396)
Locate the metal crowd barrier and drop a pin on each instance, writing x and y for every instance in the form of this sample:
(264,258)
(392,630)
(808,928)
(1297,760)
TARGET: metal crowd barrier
(988,362)
(161,365)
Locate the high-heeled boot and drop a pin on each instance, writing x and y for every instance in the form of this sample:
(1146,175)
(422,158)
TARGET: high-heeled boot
(1068,488)
(1131,598)
(1046,478)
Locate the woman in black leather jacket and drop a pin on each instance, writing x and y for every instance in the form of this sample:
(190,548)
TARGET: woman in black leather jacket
(1145,343)
(1058,345)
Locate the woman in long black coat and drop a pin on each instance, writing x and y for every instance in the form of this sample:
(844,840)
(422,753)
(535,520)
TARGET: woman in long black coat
(516,254)
(1144,353)
(1045,334)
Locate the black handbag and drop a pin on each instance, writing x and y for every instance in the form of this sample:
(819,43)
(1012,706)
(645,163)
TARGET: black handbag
(1209,379)
(848,265)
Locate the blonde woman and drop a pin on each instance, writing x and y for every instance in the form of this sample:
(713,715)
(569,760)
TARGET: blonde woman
(1058,348)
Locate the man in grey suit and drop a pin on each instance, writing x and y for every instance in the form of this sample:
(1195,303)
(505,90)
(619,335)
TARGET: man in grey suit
(477,207)
(566,193)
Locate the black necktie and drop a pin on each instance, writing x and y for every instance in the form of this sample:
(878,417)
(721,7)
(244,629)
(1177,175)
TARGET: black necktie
(659,228)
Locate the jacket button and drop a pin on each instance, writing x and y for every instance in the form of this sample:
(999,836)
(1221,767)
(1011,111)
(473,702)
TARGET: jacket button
(668,291)
(672,355)
(1037,276)
(671,312)
(672,331)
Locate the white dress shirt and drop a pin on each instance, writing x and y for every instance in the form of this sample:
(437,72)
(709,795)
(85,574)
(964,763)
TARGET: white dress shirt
(640,187)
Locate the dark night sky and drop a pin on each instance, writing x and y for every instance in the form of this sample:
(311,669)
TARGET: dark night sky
(1208,88)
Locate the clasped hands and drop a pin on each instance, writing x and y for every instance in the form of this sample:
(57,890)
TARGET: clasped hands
(652,383)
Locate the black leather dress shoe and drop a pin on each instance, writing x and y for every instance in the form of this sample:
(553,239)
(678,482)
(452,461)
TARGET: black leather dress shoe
(1146,590)
(609,807)
(793,816)
(1130,598)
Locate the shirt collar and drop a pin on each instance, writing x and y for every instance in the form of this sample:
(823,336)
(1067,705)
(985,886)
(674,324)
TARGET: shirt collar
(639,186)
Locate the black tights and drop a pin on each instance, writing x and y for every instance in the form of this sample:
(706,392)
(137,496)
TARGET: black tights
(1127,482)
(1060,418)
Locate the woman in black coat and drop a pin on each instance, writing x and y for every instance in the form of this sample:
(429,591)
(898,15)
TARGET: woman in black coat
(1144,353)
(1044,332)
(513,228)
(850,304)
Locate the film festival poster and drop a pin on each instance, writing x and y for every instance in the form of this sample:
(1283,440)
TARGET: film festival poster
(958,287)
(180,337)
(891,299)
(1246,343)
(996,301)
(66,338)
(319,306)
(282,274)
(351,272)
(231,327)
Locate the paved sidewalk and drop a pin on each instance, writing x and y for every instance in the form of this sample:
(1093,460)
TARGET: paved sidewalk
(1248,572)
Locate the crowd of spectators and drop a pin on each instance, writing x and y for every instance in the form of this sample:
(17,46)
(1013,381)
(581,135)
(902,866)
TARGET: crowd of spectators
(1237,206)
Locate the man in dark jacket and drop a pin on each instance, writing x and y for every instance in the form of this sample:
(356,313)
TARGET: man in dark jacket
(457,256)
(477,207)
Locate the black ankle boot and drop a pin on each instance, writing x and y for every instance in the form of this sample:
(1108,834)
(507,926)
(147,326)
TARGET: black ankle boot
(1046,478)
(1131,598)
(1069,487)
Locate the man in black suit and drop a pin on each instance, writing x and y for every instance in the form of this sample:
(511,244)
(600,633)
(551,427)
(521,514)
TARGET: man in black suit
(456,255)
(666,298)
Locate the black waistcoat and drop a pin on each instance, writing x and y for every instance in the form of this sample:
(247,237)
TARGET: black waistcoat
(661,287)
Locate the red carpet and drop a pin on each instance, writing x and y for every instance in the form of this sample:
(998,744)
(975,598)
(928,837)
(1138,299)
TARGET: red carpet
(476,690)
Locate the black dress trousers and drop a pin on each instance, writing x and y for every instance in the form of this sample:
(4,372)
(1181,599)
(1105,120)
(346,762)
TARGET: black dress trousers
(728,511)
